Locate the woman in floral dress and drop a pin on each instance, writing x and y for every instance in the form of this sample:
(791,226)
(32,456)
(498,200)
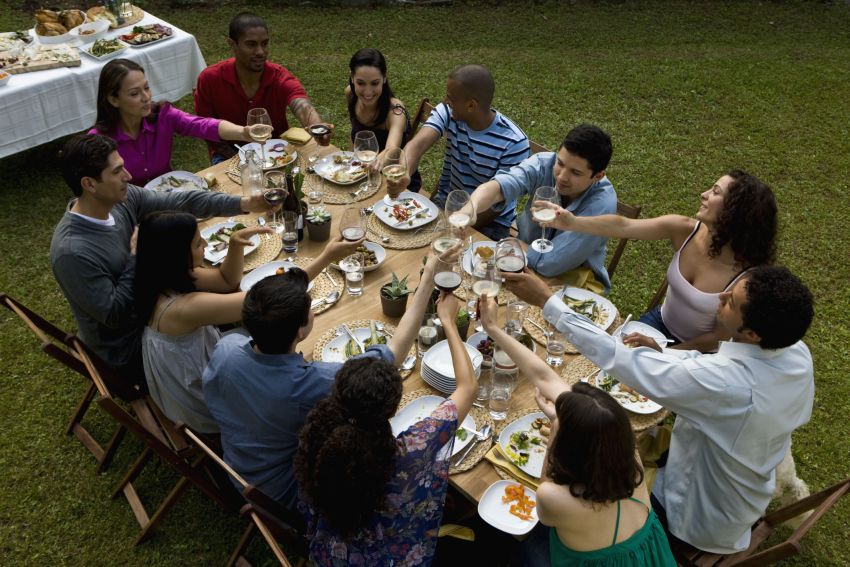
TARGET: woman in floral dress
(372,498)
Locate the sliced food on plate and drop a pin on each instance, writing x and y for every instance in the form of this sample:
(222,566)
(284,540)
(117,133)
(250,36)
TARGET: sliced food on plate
(627,397)
(218,240)
(341,168)
(143,35)
(509,506)
(343,346)
(524,442)
(408,211)
(595,307)
(177,181)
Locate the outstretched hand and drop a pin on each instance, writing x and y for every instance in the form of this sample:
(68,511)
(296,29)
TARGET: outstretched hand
(528,287)
(546,405)
(563,218)
(636,340)
(243,237)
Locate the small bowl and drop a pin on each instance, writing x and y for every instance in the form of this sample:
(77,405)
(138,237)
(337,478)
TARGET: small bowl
(63,38)
(4,77)
(96,30)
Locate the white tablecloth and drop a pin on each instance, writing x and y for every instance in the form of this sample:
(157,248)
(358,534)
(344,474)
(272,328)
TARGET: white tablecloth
(42,106)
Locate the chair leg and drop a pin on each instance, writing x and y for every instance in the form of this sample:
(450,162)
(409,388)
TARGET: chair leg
(111,449)
(134,471)
(81,409)
(159,515)
(246,538)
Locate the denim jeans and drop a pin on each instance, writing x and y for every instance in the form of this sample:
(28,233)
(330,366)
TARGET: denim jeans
(653,319)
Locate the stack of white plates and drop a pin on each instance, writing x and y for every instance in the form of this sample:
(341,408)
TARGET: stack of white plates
(437,369)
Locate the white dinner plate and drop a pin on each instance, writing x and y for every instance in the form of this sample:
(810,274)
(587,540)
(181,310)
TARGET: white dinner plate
(534,466)
(334,350)
(337,168)
(275,153)
(421,209)
(419,409)
(469,255)
(380,256)
(212,255)
(498,514)
(176,181)
(609,311)
(439,359)
(644,329)
(262,272)
(643,407)
(117,53)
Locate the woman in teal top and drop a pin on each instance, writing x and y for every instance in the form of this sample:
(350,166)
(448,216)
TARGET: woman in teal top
(593,495)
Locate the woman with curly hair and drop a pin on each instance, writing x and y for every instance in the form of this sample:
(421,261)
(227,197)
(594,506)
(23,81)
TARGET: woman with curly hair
(373,498)
(373,106)
(734,230)
(593,495)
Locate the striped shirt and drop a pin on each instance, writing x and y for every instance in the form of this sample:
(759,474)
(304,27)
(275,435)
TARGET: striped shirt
(474,157)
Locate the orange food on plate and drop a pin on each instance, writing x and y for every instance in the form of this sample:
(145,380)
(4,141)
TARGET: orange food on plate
(524,505)
(280,271)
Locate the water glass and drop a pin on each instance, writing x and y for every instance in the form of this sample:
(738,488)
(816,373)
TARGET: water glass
(500,396)
(290,232)
(482,394)
(316,192)
(426,339)
(515,316)
(353,268)
(555,346)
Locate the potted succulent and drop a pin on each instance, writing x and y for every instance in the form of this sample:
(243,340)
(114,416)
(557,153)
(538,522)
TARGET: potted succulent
(319,224)
(462,322)
(394,296)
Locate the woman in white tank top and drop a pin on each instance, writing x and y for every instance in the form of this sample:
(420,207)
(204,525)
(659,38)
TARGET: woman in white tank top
(734,230)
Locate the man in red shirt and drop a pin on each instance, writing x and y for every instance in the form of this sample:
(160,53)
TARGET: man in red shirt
(230,88)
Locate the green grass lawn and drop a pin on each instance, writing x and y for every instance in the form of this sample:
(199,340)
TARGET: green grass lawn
(687,90)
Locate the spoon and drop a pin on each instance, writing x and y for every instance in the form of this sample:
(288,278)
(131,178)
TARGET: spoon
(408,363)
(385,239)
(330,299)
(368,210)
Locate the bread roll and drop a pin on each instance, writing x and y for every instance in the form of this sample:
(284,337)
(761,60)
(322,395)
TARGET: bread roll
(44,16)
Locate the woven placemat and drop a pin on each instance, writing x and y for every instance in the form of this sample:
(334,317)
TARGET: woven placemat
(400,239)
(513,415)
(335,194)
(268,250)
(479,415)
(322,284)
(581,368)
(232,170)
(331,334)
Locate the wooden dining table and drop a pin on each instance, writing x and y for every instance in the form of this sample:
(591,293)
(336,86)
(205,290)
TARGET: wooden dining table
(472,483)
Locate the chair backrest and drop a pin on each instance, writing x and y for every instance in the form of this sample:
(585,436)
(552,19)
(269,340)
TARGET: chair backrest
(537,148)
(421,116)
(659,295)
(630,212)
(52,337)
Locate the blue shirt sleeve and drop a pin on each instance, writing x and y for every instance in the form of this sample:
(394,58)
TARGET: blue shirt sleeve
(439,119)
(525,177)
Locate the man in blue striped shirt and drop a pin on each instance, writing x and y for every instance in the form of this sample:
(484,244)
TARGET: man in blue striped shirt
(479,143)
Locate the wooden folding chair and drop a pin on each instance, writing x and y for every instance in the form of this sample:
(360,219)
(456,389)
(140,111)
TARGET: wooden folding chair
(161,438)
(421,116)
(53,342)
(274,522)
(630,212)
(820,503)
(659,295)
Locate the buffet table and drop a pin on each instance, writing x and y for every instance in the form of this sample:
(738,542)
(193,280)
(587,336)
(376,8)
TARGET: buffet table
(45,105)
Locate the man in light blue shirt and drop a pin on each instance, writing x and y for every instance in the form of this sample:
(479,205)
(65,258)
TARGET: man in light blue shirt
(260,389)
(736,409)
(480,141)
(577,171)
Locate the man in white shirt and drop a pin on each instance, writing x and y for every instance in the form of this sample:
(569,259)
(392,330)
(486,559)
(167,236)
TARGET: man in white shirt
(736,408)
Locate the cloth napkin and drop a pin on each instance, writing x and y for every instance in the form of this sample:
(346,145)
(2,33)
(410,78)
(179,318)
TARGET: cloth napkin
(456,531)
(497,457)
(296,136)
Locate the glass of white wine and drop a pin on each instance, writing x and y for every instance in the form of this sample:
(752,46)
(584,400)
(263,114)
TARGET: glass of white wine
(260,129)
(459,209)
(486,280)
(352,225)
(366,150)
(394,167)
(541,213)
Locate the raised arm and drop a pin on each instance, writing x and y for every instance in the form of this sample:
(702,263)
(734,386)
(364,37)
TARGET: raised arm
(199,308)
(303,110)
(667,227)
(336,249)
(227,277)
(230,131)
(544,378)
(464,394)
(410,322)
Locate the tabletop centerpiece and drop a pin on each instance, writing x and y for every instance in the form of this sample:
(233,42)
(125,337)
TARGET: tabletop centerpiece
(394,296)
(319,224)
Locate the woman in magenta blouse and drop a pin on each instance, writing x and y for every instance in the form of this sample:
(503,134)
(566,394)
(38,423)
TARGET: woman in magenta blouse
(144,131)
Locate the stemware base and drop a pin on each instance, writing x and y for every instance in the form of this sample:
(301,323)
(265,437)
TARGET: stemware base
(542,245)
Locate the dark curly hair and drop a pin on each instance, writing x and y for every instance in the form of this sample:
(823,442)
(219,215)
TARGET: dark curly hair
(346,450)
(779,306)
(163,258)
(747,222)
(594,450)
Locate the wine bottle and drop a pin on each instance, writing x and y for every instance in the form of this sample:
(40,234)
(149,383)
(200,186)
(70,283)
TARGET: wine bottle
(292,204)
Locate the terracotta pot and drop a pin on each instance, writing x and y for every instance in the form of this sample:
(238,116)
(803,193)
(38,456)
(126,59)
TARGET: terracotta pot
(319,232)
(393,307)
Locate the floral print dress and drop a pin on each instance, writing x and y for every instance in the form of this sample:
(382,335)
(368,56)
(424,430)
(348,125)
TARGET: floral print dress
(406,532)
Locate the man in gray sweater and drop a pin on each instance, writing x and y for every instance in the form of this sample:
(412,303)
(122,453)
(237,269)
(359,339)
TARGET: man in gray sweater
(93,248)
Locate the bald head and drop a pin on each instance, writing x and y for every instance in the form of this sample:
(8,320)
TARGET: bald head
(476,82)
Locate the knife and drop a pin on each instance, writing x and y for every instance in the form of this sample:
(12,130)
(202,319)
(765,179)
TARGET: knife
(356,340)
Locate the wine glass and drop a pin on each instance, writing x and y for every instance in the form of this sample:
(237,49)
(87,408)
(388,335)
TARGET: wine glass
(394,168)
(510,256)
(260,129)
(274,192)
(352,225)
(317,188)
(321,128)
(447,275)
(366,150)
(460,212)
(445,240)
(486,280)
(543,214)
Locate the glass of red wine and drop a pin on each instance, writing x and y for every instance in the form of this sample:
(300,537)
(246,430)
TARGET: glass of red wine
(510,256)
(274,192)
(352,225)
(447,276)
(320,130)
